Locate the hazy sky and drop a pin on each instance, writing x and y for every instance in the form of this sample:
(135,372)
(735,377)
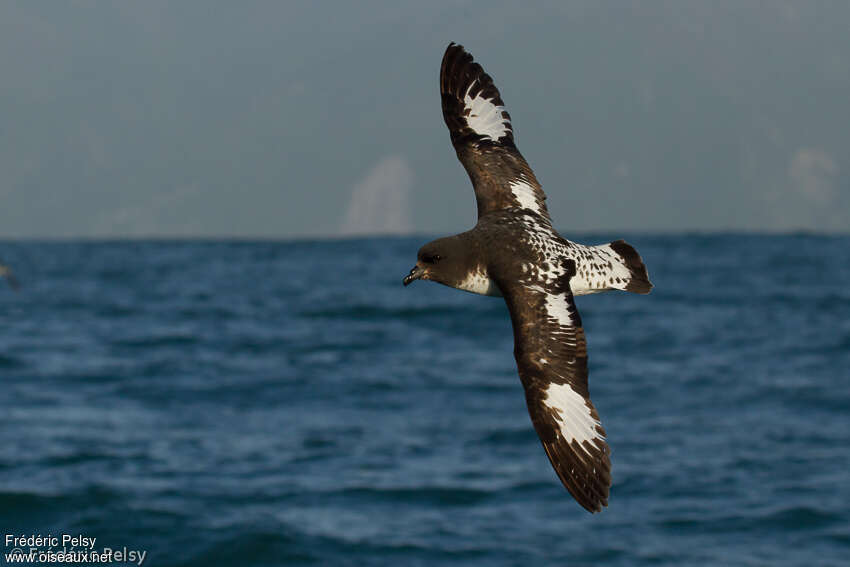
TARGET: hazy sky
(295,119)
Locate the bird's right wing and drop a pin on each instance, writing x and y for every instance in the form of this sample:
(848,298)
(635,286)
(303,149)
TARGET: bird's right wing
(483,138)
(551,355)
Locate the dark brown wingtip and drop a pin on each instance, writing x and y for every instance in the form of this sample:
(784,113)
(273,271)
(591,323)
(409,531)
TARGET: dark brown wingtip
(639,282)
(459,75)
(455,54)
(587,480)
(453,47)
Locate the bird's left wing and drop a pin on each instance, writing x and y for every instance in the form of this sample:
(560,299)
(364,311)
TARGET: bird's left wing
(551,356)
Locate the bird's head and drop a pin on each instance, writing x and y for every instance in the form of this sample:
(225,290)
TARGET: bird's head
(442,261)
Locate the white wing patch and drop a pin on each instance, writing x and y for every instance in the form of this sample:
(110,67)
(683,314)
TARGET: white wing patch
(484,117)
(557,307)
(572,414)
(525,196)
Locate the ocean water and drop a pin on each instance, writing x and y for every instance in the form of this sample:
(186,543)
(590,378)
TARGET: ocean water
(290,403)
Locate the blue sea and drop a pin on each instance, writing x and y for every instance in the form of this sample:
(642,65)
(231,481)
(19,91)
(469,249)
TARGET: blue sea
(290,403)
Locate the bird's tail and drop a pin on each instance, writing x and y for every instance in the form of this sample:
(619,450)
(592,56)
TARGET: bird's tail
(615,265)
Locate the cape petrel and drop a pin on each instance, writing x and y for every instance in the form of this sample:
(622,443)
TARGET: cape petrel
(515,252)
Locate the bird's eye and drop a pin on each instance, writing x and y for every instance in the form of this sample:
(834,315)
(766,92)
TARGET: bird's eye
(435,258)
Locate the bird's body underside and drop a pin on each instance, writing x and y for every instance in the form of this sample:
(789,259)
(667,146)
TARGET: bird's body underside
(515,252)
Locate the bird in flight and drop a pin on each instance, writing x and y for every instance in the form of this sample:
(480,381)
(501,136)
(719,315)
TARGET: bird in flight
(515,252)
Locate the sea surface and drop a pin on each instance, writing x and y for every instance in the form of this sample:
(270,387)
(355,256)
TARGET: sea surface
(290,403)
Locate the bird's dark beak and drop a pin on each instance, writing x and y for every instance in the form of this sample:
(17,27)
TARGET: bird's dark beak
(416,273)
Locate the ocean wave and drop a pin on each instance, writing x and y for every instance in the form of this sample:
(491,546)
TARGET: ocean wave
(10,362)
(379,312)
(155,341)
(438,495)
